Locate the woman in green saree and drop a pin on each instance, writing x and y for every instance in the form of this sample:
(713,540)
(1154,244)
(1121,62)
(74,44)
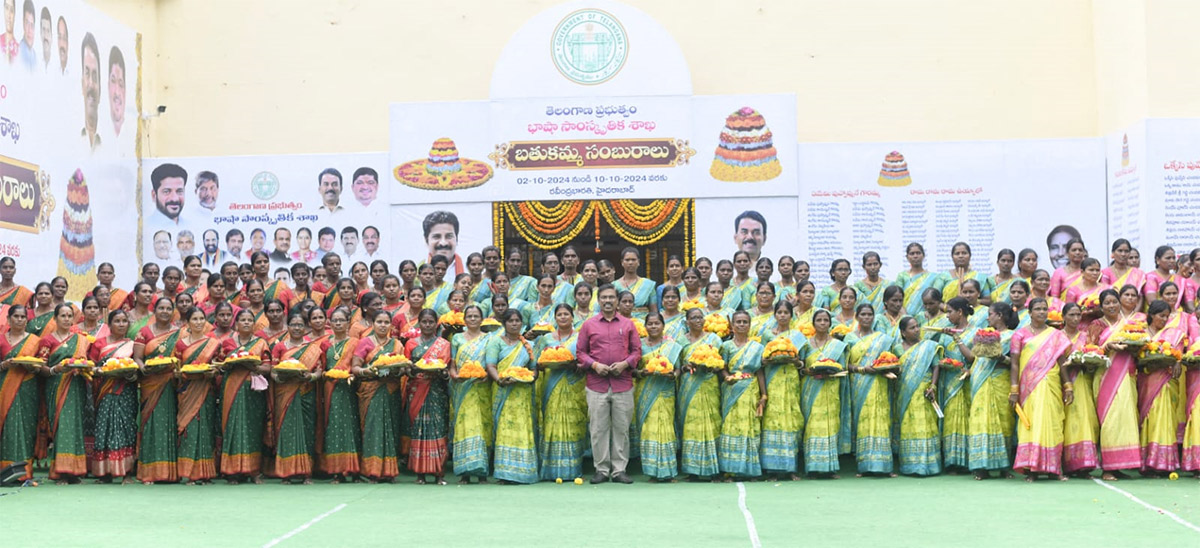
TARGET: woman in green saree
(157,443)
(916,280)
(542,310)
(114,446)
(743,395)
(563,405)
(12,294)
(376,406)
(698,418)
(870,288)
(674,325)
(66,397)
(998,284)
(196,417)
(142,312)
(655,402)
(920,450)
(244,404)
(991,424)
(763,311)
(642,288)
(821,399)
(338,435)
(18,390)
(41,311)
(960,255)
(782,420)
(730,295)
(803,308)
(472,400)
(294,399)
(953,389)
(429,404)
(830,296)
(870,395)
(514,413)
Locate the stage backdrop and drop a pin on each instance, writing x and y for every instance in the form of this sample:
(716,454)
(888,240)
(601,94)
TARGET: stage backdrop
(856,198)
(765,226)
(454,230)
(68,134)
(296,208)
(1166,184)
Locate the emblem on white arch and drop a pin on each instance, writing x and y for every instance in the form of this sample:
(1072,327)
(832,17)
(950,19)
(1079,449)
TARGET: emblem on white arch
(589,46)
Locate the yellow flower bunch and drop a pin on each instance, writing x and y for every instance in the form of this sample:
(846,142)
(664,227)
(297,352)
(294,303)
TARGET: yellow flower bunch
(193,368)
(78,363)
(1134,332)
(452,318)
(688,305)
(158,362)
(337,374)
(840,331)
(886,360)
(717,324)
(431,364)
(472,369)
(519,374)
(641,327)
(1161,348)
(781,346)
(658,365)
(118,364)
(808,330)
(489,325)
(707,355)
(556,354)
(827,366)
(389,360)
(293,365)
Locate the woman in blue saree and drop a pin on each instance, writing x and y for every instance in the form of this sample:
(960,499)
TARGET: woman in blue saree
(563,404)
(514,412)
(471,401)
(743,395)
(869,397)
(782,420)
(698,419)
(655,403)
(920,450)
(821,398)
(642,288)
(916,280)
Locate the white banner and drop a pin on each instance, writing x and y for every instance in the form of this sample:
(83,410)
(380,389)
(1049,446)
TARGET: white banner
(451,230)
(1171,191)
(760,226)
(68,129)
(1126,154)
(295,208)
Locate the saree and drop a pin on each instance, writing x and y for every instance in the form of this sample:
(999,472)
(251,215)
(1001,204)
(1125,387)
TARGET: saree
(872,295)
(741,428)
(438,295)
(655,413)
(1132,276)
(276,289)
(66,397)
(782,421)
(522,287)
(514,415)
(1154,280)
(1061,281)
(870,403)
(378,415)
(643,295)
(952,285)
(40,325)
(1191,431)
(480,293)
(17,294)
(1117,408)
(472,406)
(540,315)
(1040,446)
(1081,428)
(698,414)
(243,413)
(731,299)
(919,450)
(294,414)
(999,291)
(338,436)
(563,293)
(157,443)
(759,321)
(1156,411)
(18,406)
(914,287)
(196,418)
(675,327)
(428,409)
(114,445)
(955,403)
(136,325)
(564,413)
(827,298)
(991,421)
(821,403)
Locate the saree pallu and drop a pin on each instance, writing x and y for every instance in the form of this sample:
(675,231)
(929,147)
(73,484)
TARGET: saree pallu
(158,450)
(379,408)
(1132,276)
(731,299)
(698,415)
(1061,281)
(1191,432)
(114,446)
(782,421)
(656,412)
(1156,415)
(999,291)
(428,410)
(564,423)
(821,403)
(870,404)
(914,287)
(874,296)
(643,295)
(1040,447)
(338,436)
(243,420)
(991,421)
(514,420)
(66,398)
(40,325)
(1117,409)
(919,450)
(472,406)
(19,409)
(954,397)
(741,428)
(953,285)
(827,298)
(196,418)
(1081,428)
(294,417)
(522,287)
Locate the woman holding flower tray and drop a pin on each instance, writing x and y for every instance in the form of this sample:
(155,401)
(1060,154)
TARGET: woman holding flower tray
(1081,429)
(377,415)
(514,413)
(294,401)
(1156,402)
(991,420)
(698,413)
(114,450)
(743,395)
(1037,352)
(1116,392)
(782,420)
(429,404)
(472,400)
(65,395)
(563,404)
(338,435)
(920,449)
(18,390)
(196,418)
(243,401)
(870,401)
(820,398)
(655,401)
(157,441)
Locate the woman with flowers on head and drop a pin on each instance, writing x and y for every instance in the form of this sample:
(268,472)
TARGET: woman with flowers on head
(698,414)
(920,448)
(562,402)
(1116,391)
(514,413)
(428,403)
(820,397)
(338,421)
(294,401)
(655,400)
(991,417)
(471,398)
(743,395)
(196,417)
(243,399)
(66,396)
(868,425)
(782,420)
(1037,353)
(376,408)
(18,390)
(157,436)
(1156,401)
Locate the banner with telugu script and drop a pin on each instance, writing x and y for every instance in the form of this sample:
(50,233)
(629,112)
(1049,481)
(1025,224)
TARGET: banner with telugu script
(1162,179)
(992,195)
(593,148)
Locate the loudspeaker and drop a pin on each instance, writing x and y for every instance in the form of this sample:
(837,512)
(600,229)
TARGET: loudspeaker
(11,475)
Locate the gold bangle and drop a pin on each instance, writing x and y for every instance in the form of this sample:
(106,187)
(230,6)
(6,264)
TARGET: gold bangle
(1068,386)
(1014,390)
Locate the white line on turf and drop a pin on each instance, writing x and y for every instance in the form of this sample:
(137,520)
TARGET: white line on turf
(749,518)
(305,526)
(1149,506)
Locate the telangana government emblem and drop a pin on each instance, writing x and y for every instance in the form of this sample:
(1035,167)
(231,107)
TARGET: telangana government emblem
(589,46)
(264,185)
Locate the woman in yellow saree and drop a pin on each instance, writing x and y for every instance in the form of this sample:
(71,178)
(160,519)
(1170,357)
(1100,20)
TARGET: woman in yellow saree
(916,280)
(821,400)
(870,288)
(1156,401)
(514,413)
(991,420)
(655,410)
(157,442)
(803,308)
(1116,394)
(870,397)
(1120,273)
(642,288)
(471,400)
(376,409)
(763,310)
(1081,428)
(997,285)
(18,391)
(743,395)
(698,414)
(782,420)
(954,392)
(196,418)
(1068,275)
(830,296)
(960,255)
(66,397)
(1191,431)
(919,449)
(1037,354)
(563,405)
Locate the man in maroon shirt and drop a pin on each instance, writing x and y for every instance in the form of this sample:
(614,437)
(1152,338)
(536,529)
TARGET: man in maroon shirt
(608,349)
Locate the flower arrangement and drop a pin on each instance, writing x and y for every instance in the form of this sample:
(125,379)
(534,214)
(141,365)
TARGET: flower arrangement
(293,365)
(539,329)
(735,377)
(1158,354)
(289,370)
(1089,358)
(1134,334)
(556,356)
(658,365)
(410,333)
(29,361)
(1054,318)
(706,356)
(780,349)
(244,359)
(886,362)
(118,365)
(489,325)
(839,332)
(808,330)
(432,364)
(1191,358)
(688,305)
(951,363)
(717,324)
(155,365)
(986,343)
(1090,305)
(452,318)
(826,366)
(384,361)
(337,374)
(519,374)
(78,363)
(641,327)
(472,369)
(195,368)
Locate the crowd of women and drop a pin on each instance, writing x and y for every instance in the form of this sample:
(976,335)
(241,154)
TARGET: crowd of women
(946,408)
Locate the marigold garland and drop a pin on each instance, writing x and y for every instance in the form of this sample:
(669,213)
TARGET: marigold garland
(552,226)
(561,224)
(638,230)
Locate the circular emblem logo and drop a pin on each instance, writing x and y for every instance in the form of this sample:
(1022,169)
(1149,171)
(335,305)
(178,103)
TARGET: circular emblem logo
(264,185)
(589,46)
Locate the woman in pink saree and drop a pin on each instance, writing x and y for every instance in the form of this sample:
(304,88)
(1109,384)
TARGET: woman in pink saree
(1116,393)
(1120,273)
(1038,350)
(1068,276)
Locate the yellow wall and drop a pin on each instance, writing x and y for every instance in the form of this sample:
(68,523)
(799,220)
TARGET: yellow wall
(283,76)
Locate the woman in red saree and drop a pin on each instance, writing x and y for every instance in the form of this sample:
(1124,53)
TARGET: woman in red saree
(376,409)
(244,404)
(1116,393)
(392,300)
(18,392)
(105,274)
(216,297)
(157,450)
(114,449)
(196,417)
(429,403)
(294,413)
(222,321)
(406,318)
(369,303)
(338,437)
(318,325)
(66,397)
